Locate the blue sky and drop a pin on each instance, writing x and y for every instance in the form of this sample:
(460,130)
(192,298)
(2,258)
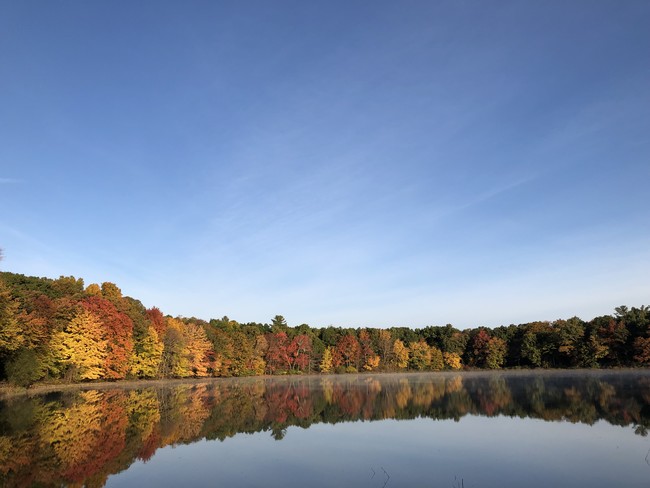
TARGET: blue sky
(346,163)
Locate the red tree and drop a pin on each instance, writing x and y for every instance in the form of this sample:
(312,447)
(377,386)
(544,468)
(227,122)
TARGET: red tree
(347,352)
(277,356)
(299,351)
(118,332)
(157,320)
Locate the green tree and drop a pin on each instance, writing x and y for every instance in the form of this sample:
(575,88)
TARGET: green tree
(437,359)
(570,335)
(279,324)
(25,368)
(419,355)
(496,353)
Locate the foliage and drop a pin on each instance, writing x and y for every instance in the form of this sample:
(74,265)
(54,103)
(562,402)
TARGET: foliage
(81,347)
(11,335)
(452,360)
(347,352)
(327,362)
(400,354)
(25,368)
(146,362)
(47,324)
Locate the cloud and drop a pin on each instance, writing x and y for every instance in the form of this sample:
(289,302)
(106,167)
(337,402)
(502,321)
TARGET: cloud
(487,195)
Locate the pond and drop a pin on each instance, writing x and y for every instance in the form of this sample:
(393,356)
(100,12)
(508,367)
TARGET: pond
(505,429)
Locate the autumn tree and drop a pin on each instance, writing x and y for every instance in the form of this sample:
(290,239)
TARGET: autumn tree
(277,357)
(258,364)
(369,358)
(196,349)
(479,348)
(419,355)
(452,360)
(146,362)
(298,352)
(642,350)
(496,353)
(385,343)
(157,320)
(174,363)
(111,292)
(117,330)
(11,335)
(437,359)
(81,347)
(347,352)
(400,354)
(94,290)
(614,335)
(36,319)
(327,362)
(68,286)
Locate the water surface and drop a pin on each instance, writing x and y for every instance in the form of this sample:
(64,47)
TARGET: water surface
(501,429)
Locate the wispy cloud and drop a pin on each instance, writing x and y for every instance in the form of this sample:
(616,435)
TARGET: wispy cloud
(9,181)
(493,192)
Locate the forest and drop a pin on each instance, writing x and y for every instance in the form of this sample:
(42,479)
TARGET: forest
(61,330)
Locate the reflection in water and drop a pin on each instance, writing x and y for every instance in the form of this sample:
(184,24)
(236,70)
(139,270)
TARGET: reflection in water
(83,437)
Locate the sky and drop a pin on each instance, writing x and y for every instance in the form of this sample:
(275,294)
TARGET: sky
(341,163)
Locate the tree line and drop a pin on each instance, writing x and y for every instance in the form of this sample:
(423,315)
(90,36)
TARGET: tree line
(59,329)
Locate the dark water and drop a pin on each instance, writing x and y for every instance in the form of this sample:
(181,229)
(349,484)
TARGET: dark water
(543,429)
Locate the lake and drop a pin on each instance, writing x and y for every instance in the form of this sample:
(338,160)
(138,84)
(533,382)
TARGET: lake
(503,429)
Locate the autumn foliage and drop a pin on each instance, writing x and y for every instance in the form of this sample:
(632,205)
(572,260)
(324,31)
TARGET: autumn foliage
(57,329)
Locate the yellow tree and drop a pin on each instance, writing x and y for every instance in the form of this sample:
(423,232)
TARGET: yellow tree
(146,362)
(94,290)
(400,354)
(372,362)
(81,346)
(326,363)
(437,360)
(452,360)
(174,361)
(258,365)
(11,336)
(197,348)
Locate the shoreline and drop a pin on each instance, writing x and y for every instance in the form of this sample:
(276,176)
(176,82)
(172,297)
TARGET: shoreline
(10,391)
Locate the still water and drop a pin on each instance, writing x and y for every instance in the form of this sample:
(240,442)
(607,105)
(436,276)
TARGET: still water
(514,429)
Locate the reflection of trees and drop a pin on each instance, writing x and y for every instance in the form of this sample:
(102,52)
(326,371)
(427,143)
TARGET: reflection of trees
(82,438)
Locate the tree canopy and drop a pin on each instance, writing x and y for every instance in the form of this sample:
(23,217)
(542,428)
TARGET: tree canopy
(59,329)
